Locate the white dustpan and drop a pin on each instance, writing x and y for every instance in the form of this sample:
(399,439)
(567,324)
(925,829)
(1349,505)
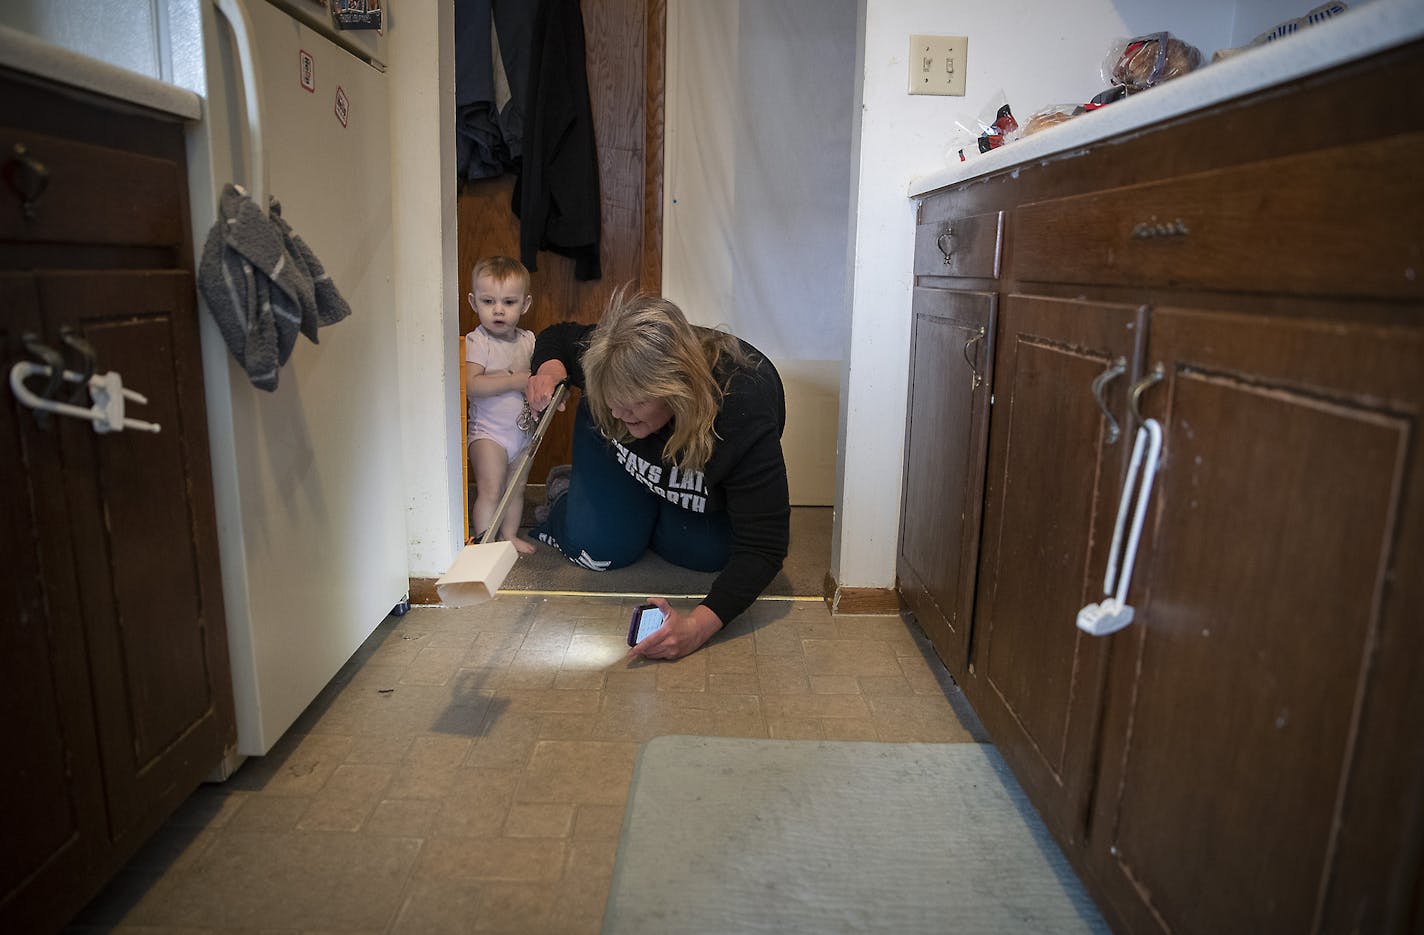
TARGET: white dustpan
(479,569)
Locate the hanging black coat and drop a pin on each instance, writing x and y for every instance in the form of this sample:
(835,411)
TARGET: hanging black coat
(489,138)
(556,196)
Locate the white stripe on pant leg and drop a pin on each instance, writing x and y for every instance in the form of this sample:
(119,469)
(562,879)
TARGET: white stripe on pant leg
(587,561)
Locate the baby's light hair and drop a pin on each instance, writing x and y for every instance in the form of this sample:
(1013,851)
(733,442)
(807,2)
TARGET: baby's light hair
(500,269)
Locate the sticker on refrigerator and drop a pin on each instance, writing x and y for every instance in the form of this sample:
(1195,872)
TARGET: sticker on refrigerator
(308,70)
(343,106)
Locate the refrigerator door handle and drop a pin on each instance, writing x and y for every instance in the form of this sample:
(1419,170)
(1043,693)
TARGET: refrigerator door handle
(236,15)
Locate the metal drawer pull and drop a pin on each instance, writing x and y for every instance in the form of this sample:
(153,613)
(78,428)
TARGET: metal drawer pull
(1134,396)
(28,178)
(975,380)
(1114,370)
(942,241)
(1146,230)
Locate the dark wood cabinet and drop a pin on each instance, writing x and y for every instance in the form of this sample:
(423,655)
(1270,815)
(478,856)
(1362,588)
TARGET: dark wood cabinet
(1245,756)
(950,362)
(1262,757)
(115,661)
(1055,464)
(51,794)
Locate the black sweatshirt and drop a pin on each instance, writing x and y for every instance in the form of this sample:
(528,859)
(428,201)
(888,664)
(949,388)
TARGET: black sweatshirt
(746,475)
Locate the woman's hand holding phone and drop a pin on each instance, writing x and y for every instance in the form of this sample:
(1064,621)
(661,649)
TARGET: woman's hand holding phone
(647,619)
(678,635)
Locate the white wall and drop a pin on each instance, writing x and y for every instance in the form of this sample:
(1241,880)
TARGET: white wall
(422,74)
(1038,54)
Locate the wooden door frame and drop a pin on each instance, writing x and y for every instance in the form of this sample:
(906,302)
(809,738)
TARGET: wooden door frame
(650,266)
(650,275)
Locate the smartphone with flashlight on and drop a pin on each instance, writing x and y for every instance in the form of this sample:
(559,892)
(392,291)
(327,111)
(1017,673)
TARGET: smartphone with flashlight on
(646,619)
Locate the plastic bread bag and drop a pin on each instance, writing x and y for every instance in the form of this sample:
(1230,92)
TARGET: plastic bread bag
(994,127)
(1318,15)
(1146,61)
(1103,98)
(1046,117)
(996,124)
(963,146)
(1003,128)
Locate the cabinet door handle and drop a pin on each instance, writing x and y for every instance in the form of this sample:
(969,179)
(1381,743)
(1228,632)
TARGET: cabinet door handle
(54,361)
(943,241)
(975,380)
(1113,370)
(28,178)
(1134,396)
(81,345)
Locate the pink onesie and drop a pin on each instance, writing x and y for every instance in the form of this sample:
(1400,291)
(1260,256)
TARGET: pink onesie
(496,417)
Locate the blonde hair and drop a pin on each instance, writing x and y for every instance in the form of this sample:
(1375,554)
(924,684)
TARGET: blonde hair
(500,269)
(645,349)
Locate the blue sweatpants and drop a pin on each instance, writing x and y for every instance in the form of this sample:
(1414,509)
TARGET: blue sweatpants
(608,519)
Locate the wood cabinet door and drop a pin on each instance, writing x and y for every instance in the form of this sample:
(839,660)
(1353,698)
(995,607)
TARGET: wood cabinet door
(1263,769)
(948,415)
(51,801)
(141,518)
(1051,498)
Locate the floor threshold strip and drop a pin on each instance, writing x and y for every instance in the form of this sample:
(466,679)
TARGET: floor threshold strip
(640,594)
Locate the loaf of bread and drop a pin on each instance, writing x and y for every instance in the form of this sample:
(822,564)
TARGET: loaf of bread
(1046,118)
(1147,61)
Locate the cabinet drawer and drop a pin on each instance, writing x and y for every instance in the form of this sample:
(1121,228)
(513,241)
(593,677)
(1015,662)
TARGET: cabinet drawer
(1342,221)
(89,194)
(967,246)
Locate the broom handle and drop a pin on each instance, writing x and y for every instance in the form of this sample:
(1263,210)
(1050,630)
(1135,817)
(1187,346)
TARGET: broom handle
(557,400)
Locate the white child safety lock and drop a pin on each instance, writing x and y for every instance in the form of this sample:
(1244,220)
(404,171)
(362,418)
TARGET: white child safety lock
(106,390)
(1114,613)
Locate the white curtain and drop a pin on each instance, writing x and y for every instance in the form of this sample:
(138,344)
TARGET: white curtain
(756,210)
(757,170)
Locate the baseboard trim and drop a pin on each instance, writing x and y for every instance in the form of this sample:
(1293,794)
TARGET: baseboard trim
(839,600)
(860,600)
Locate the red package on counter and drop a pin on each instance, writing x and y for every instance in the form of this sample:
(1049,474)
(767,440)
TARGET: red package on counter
(1003,129)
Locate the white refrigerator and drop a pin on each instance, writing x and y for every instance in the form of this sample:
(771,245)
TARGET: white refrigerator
(309,490)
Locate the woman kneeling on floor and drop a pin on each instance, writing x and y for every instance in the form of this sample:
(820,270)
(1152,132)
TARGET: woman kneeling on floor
(677,449)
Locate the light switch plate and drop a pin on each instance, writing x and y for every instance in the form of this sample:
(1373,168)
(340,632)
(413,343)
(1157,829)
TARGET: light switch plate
(937,64)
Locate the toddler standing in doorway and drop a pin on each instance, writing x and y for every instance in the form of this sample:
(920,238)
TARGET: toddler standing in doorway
(497,355)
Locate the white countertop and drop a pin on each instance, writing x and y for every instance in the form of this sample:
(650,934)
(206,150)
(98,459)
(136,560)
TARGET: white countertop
(25,53)
(1358,33)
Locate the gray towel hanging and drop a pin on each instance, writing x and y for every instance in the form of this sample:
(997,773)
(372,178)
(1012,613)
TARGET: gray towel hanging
(328,306)
(263,286)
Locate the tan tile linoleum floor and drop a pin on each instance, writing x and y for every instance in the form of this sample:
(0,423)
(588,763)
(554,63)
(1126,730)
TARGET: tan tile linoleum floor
(467,771)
